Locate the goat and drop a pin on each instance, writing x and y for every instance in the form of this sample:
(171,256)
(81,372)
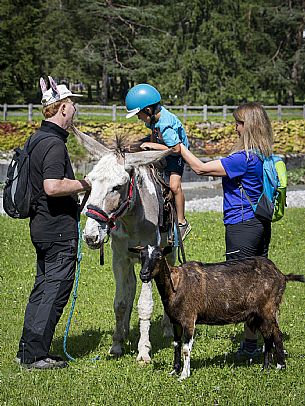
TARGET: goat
(248,290)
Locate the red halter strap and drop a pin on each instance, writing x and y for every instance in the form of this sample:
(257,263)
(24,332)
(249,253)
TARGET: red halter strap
(102,217)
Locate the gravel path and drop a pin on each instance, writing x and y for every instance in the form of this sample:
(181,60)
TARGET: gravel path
(295,198)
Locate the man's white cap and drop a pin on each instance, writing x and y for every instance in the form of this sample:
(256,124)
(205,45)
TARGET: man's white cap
(55,93)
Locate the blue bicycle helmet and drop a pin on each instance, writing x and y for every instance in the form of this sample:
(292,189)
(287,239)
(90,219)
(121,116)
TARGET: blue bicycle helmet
(139,97)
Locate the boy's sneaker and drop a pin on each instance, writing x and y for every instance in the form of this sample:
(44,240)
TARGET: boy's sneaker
(184,229)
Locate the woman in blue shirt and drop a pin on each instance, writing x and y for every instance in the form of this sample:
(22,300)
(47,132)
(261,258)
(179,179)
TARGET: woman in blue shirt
(245,235)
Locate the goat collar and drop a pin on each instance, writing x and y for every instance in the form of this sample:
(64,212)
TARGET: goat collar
(102,217)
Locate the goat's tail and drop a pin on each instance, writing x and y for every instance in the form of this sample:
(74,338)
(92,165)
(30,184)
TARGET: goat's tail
(295,278)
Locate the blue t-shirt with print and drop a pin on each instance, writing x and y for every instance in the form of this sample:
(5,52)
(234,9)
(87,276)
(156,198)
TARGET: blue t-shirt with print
(236,207)
(170,130)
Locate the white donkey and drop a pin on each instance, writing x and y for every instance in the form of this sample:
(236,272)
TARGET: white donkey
(124,203)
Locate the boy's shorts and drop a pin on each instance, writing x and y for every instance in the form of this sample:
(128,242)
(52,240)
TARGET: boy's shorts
(174,163)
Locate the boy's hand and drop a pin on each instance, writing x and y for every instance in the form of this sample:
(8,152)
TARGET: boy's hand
(177,149)
(146,146)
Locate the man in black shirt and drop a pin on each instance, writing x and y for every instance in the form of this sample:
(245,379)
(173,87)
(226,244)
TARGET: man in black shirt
(53,228)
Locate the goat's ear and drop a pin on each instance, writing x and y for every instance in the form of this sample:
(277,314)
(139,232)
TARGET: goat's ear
(167,250)
(135,250)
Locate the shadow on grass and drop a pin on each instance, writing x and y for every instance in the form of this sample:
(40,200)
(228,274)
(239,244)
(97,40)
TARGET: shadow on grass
(225,359)
(81,344)
(89,340)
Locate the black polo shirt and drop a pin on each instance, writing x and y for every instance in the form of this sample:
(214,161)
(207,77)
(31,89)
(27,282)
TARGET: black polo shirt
(53,218)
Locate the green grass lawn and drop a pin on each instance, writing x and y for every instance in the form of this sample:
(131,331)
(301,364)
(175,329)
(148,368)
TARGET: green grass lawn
(216,377)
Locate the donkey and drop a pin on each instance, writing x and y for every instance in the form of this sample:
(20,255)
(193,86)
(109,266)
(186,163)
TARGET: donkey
(124,203)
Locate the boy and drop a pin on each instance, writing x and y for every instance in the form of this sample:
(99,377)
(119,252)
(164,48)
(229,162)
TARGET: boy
(143,100)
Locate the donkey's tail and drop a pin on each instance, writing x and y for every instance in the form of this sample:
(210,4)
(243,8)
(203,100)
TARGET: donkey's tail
(295,278)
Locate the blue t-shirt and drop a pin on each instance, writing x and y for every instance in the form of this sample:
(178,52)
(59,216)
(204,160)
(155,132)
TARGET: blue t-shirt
(236,207)
(170,130)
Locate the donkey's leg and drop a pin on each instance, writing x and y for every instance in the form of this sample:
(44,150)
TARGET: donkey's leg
(187,349)
(165,323)
(145,308)
(167,326)
(121,275)
(130,295)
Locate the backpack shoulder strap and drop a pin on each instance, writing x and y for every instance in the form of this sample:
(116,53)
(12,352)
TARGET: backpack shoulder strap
(30,145)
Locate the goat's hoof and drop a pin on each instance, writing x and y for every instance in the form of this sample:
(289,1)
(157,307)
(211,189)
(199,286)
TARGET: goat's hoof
(173,372)
(280,366)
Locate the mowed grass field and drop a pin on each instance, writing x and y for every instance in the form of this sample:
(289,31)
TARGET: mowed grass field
(216,377)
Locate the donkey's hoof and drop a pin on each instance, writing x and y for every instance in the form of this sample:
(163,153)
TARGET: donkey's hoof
(116,350)
(144,358)
(182,377)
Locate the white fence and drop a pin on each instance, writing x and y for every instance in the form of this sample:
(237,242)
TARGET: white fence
(117,113)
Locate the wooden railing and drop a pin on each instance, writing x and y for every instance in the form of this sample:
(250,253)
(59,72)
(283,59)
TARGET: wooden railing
(31,112)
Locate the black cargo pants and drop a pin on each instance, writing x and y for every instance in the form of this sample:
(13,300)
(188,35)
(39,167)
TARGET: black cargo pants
(56,263)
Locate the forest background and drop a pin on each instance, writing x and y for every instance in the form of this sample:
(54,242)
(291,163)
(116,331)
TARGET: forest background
(194,52)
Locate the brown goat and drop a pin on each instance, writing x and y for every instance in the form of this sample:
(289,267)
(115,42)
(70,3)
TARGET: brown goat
(248,290)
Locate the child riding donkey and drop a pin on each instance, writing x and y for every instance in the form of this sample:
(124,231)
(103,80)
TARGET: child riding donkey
(167,131)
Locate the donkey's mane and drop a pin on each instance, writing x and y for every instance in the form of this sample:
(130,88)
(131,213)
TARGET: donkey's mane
(119,146)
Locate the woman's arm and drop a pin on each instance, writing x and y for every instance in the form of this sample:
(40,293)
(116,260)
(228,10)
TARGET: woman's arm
(212,168)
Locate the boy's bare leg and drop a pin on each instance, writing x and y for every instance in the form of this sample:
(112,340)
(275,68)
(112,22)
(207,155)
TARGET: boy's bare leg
(175,186)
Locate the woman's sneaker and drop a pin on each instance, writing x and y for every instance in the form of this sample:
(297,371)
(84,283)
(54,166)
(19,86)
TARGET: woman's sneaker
(184,229)
(248,353)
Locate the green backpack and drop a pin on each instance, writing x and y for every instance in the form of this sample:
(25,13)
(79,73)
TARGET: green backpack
(280,199)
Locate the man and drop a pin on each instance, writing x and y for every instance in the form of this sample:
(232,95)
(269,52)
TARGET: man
(53,229)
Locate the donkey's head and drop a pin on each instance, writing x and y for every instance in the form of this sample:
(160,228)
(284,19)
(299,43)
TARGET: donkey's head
(113,187)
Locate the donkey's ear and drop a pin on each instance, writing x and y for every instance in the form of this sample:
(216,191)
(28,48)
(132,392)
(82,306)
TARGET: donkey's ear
(136,250)
(144,158)
(43,85)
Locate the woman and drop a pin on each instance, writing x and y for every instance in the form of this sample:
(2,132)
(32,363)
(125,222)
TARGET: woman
(245,235)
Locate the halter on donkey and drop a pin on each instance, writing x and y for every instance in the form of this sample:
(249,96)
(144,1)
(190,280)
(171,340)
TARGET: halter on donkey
(124,204)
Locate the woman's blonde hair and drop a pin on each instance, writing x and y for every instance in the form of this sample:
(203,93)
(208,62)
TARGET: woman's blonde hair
(52,109)
(257,134)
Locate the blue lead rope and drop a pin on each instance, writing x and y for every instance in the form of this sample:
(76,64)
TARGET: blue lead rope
(79,258)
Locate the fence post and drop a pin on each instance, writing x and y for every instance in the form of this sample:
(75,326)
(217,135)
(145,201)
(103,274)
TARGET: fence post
(30,112)
(184,113)
(113,112)
(279,112)
(205,112)
(76,105)
(304,111)
(4,112)
(224,112)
